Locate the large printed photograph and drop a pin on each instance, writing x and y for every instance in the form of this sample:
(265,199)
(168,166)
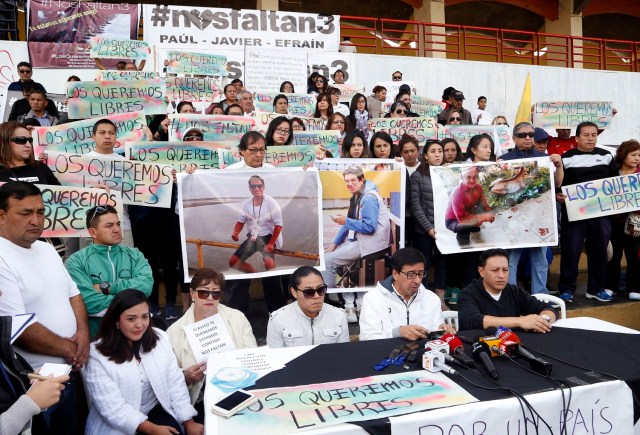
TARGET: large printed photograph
(496,205)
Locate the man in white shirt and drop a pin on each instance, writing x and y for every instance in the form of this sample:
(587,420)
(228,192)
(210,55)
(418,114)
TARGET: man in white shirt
(253,148)
(481,116)
(34,280)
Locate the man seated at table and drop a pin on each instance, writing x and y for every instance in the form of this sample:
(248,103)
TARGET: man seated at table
(491,301)
(400,306)
(308,320)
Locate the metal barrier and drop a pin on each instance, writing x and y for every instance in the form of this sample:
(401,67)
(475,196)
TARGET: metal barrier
(451,41)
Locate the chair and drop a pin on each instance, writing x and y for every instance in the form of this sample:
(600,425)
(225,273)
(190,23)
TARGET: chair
(555,302)
(451,318)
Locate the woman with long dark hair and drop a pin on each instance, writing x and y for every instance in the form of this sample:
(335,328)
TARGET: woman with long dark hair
(324,108)
(280,132)
(358,114)
(133,376)
(480,149)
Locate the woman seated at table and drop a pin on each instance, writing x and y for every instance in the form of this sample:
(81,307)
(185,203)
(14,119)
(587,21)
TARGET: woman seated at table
(206,288)
(132,375)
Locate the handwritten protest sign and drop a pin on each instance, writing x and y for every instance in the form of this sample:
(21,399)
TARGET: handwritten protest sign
(208,336)
(180,155)
(194,88)
(501,134)
(264,118)
(291,156)
(147,184)
(109,48)
(126,75)
(394,87)
(426,101)
(422,129)
(299,104)
(604,197)
(107,97)
(327,138)
(264,68)
(66,208)
(182,62)
(567,114)
(290,409)
(75,137)
(214,127)
(347,91)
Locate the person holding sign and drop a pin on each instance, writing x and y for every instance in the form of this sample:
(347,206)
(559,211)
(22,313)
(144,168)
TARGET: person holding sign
(582,164)
(133,377)
(205,291)
(375,100)
(252,148)
(324,109)
(280,132)
(308,320)
(281,104)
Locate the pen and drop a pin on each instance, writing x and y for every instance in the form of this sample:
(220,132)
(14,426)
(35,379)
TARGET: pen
(36,376)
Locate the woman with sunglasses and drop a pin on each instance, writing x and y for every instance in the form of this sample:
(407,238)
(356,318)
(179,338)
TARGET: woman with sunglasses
(133,376)
(454,118)
(279,132)
(398,109)
(17,161)
(321,85)
(206,290)
(308,320)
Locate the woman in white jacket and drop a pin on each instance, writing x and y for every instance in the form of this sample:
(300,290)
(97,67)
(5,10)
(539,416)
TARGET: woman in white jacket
(206,288)
(133,377)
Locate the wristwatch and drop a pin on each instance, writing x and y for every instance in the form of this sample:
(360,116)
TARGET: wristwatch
(104,287)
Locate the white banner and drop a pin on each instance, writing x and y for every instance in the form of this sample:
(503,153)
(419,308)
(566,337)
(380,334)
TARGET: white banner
(208,336)
(231,28)
(327,64)
(265,71)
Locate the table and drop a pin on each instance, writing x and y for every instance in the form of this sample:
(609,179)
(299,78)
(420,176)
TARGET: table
(597,401)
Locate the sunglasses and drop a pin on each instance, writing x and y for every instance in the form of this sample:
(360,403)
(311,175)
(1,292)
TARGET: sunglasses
(25,71)
(21,140)
(523,135)
(455,119)
(100,210)
(204,294)
(256,186)
(400,112)
(309,293)
(396,78)
(193,137)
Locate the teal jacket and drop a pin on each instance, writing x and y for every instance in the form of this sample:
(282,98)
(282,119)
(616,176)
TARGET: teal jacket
(122,266)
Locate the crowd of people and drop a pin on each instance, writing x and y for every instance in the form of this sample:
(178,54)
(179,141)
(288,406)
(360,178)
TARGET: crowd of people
(96,300)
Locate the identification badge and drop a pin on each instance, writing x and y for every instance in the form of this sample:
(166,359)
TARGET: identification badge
(255,230)
(351,235)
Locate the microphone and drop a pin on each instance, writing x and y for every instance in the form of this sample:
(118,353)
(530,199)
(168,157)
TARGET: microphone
(481,353)
(442,347)
(538,365)
(457,350)
(433,361)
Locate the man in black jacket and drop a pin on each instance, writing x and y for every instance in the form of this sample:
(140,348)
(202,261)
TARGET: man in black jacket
(491,301)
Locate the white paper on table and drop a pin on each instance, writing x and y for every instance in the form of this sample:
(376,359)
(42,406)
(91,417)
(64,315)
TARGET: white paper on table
(208,336)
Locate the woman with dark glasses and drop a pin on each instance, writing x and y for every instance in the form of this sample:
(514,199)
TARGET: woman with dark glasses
(17,162)
(308,320)
(206,289)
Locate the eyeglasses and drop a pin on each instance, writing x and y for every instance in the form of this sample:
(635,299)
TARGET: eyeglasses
(100,210)
(412,274)
(282,131)
(25,71)
(21,140)
(400,112)
(204,294)
(524,135)
(257,150)
(397,78)
(256,186)
(455,119)
(309,293)
(193,137)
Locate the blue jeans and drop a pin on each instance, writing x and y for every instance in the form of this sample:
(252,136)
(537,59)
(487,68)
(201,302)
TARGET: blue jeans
(539,267)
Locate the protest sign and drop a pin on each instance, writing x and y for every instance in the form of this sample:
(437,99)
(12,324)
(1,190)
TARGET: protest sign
(347,91)
(291,156)
(263,119)
(75,137)
(604,197)
(180,155)
(422,129)
(227,158)
(290,198)
(214,128)
(568,114)
(265,70)
(426,101)
(147,184)
(107,97)
(329,139)
(424,107)
(501,135)
(516,205)
(299,104)
(260,360)
(66,208)
(194,88)
(386,177)
(317,406)
(208,336)
(110,48)
(394,87)
(126,75)
(183,62)
(58,30)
